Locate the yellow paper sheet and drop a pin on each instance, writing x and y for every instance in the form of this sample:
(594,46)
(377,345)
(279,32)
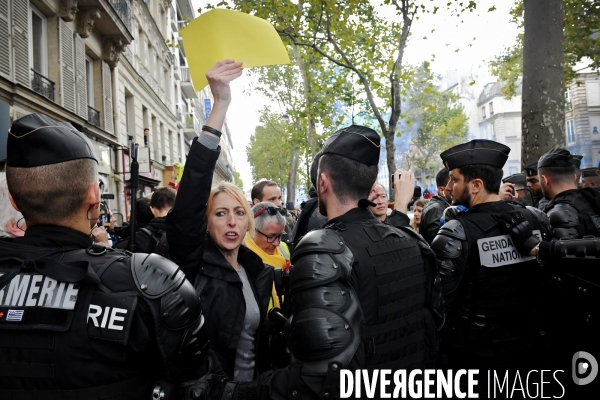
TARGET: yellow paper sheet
(219,34)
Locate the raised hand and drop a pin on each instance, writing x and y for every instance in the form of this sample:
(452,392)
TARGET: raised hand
(404,186)
(219,77)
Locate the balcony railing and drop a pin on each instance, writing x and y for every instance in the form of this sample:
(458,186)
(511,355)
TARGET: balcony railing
(182,24)
(188,121)
(42,85)
(173,15)
(128,54)
(184,72)
(123,10)
(94,117)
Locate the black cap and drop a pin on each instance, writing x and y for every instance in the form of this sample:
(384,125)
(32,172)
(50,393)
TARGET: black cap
(314,169)
(356,142)
(577,160)
(589,172)
(531,169)
(518,179)
(35,140)
(417,191)
(560,158)
(478,151)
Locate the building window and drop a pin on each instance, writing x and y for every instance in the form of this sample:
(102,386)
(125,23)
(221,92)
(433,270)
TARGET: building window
(570,131)
(483,112)
(38,42)
(491,109)
(89,76)
(568,100)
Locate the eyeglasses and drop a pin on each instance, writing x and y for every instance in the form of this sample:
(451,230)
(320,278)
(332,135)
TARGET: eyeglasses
(270,211)
(271,239)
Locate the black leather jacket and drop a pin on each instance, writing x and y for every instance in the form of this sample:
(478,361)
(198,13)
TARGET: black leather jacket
(430,219)
(215,279)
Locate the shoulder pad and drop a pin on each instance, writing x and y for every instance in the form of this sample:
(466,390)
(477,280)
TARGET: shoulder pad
(319,241)
(563,215)
(155,275)
(540,215)
(451,213)
(453,229)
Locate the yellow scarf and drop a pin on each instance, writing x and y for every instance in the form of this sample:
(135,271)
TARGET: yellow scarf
(275,260)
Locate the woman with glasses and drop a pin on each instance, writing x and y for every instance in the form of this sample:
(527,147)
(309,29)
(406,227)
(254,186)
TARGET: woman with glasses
(205,230)
(267,239)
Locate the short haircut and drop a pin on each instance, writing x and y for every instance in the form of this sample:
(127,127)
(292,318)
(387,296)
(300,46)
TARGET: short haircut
(491,176)
(52,193)
(143,213)
(237,194)
(442,177)
(7,211)
(257,190)
(559,174)
(264,219)
(163,198)
(146,129)
(350,180)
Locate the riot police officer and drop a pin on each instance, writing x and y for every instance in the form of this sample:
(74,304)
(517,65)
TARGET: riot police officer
(362,292)
(79,320)
(533,183)
(570,260)
(489,287)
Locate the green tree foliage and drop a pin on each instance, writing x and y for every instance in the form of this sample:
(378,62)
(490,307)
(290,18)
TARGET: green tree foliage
(269,149)
(581,43)
(238,180)
(437,122)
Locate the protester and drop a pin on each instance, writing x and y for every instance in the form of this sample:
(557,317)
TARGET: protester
(418,210)
(93,329)
(12,223)
(266,240)
(378,196)
(205,230)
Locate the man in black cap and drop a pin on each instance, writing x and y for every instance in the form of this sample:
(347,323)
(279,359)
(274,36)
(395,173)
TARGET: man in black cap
(434,209)
(533,183)
(488,286)
(590,178)
(515,188)
(80,320)
(577,164)
(361,291)
(570,260)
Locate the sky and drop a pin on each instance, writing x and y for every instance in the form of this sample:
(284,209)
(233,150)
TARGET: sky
(487,33)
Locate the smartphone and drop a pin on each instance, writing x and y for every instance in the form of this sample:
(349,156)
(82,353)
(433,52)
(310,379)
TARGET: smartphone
(393,184)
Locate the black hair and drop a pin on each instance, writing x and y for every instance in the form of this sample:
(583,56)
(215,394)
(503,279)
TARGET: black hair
(257,190)
(559,174)
(163,198)
(143,214)
(442,177)
(491,176)
(350,180)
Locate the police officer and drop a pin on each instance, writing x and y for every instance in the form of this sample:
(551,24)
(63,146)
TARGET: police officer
(515,188)
(79,320)
(489,288)
(362,292)
(533,183)
(577,164)
(590,179)
(434,209)
(570,260)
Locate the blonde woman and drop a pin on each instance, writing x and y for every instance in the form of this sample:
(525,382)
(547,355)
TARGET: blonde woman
(205,230)
(418,211)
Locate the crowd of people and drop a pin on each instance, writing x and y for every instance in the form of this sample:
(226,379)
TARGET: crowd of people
(221,297)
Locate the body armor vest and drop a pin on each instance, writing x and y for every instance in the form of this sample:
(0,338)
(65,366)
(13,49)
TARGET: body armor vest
(390,279)
(497,297)
(45,331)
(589,216)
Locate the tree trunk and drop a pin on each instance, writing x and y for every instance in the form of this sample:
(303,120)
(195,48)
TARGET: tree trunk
(292,174)
(543,107)
(312,128)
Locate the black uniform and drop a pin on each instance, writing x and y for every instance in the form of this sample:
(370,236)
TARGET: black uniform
(490,288)
(84,322)
(430,219)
